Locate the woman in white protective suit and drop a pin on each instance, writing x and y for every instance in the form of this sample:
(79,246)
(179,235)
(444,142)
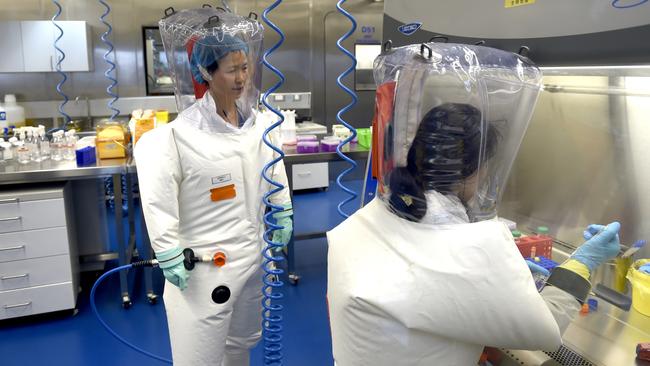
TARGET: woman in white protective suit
(201,187)
(425,274)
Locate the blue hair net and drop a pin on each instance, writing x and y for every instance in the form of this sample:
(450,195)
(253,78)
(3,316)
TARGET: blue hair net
(210,49)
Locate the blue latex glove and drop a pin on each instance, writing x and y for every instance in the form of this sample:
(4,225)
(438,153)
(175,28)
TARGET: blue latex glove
(171,263)
(537,269)
(645,268)
(283,218)
(602,245)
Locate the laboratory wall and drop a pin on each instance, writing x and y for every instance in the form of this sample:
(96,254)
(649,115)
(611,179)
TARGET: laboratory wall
(308,58)
(584,157)
(567,33)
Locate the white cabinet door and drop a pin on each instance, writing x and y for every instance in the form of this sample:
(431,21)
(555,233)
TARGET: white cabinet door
(306,176)
(38,45)
(11,47)
(76,45)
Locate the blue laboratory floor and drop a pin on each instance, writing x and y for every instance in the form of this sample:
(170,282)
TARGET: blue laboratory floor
(63,339)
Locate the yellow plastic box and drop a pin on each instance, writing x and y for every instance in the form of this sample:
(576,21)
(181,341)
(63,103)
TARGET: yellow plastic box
(111,141)
(640,287)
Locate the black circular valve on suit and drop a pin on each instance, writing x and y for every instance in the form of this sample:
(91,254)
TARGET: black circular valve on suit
(190,259)
(220,294)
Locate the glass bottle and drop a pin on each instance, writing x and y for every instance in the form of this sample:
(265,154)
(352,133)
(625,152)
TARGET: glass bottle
(31,142)
(43,143)
(22,152)
(57,146)
(69,145)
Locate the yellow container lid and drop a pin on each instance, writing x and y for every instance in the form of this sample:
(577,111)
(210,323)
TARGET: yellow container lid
(640,287)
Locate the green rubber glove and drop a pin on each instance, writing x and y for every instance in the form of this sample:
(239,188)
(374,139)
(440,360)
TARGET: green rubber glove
(284,219)
(171,263)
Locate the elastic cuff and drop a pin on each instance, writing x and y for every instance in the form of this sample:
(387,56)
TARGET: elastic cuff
(577,267)
(169,258)
(570,282)
(287,210)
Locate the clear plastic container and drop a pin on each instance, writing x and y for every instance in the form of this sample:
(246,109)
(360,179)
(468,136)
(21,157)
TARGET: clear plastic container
(69,145)
(12,149)
(3,117)
(57,145)
(7,151)
(22,152)
(31,142)
(540,280)
(15,112)
(43,143)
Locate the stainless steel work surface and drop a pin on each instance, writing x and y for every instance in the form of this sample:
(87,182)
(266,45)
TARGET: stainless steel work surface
(353,151)
(49,170)
(609,336)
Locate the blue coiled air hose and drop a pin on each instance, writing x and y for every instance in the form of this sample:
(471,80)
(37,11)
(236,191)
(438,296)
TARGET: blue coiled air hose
(101,320)
(64,77)
(108,182)
(272,311)
(339,82)
(111,65)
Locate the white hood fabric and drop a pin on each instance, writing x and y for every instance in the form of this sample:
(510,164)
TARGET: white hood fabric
(178,166)
(405,293)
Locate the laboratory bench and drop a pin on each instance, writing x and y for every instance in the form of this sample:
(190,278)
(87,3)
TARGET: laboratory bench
(306,171)
(605,337)
(87,212)
(85,203)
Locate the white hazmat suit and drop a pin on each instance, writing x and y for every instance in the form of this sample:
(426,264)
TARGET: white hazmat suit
(178,166)
(202,188)
(425,274)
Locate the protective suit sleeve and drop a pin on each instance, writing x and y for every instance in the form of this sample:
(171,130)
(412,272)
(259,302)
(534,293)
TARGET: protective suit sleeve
(279,173)
(563,306)
(159,176)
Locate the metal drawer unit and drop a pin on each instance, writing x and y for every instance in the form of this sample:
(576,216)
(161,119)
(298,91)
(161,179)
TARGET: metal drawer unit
(36,300)
(33,244)
(38,259)
(306,176)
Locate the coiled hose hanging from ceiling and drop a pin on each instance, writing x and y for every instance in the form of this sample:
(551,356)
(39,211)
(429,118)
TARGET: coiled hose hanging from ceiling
(272,311)
(339,115)
(111,64)
(108,183)
(60,57)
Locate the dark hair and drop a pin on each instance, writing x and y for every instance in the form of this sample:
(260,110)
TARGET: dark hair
(444,152)
(212,68)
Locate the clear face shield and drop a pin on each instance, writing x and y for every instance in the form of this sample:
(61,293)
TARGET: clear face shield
(450,118)
(213,51)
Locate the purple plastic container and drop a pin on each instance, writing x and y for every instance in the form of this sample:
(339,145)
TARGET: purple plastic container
(307,147)
(328,145)
(306,138)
